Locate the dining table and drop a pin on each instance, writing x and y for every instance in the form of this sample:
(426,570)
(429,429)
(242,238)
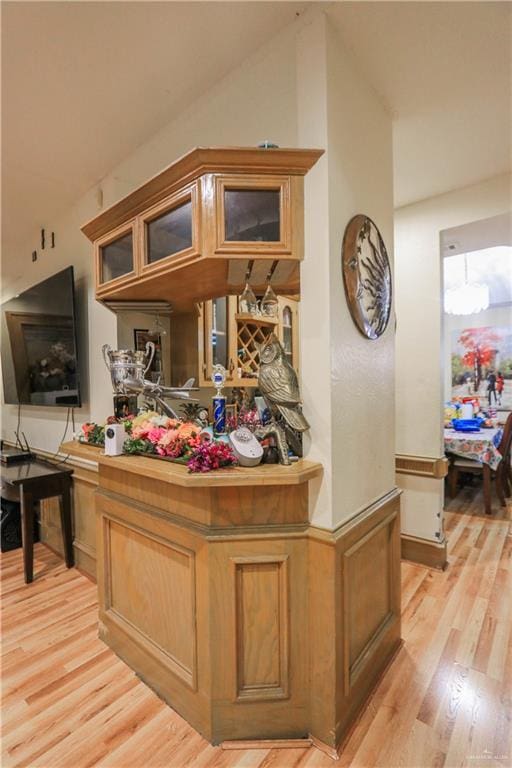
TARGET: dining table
(480,446)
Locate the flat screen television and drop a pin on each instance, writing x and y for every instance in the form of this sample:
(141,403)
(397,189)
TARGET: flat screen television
(39,348)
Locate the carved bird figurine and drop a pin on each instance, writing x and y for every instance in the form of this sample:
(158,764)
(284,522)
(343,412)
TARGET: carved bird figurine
(279,385)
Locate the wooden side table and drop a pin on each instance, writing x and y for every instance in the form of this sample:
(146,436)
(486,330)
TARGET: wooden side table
(29,483)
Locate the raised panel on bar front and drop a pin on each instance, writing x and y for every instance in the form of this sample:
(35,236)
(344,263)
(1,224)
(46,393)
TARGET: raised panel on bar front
(262,627)
(150,591)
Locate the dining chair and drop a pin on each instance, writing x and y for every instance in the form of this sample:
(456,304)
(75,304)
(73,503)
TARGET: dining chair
(501,474)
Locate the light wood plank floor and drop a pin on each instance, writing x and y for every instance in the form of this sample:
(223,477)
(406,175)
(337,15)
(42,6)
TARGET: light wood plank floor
(446,700)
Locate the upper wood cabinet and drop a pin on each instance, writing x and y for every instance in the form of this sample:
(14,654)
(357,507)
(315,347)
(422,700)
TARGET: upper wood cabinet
(190,232)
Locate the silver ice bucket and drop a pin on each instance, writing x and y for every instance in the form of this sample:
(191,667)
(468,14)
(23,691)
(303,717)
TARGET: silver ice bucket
(127,364)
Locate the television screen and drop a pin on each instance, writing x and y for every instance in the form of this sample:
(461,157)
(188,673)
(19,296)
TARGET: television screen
(39,350)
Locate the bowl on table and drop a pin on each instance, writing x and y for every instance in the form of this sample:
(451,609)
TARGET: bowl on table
(467,425)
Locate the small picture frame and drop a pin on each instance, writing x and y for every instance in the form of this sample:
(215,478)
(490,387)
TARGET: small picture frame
(141,336)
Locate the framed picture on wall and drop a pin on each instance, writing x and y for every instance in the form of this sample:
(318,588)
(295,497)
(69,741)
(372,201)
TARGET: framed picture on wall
(140,337)
(481,363)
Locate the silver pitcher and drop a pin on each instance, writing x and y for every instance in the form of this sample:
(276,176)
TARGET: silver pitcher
(126,364)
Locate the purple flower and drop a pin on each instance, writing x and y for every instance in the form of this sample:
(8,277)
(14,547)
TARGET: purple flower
(210,455)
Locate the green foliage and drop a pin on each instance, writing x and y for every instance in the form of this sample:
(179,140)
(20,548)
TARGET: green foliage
(505,367)
(191,411)
(97,435)
(138,446)
(458,368)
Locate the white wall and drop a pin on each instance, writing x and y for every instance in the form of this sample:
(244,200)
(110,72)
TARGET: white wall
(419,341)
(348,384)
(254,102)
(360,181)
(301,89)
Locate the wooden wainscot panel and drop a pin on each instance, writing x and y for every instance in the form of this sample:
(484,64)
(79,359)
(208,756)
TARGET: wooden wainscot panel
(271,505)
(83,521)
(370,598)
(324,633)
(371,619)
(259,638)
(85,483)
(154,613)
(193,504)
(262,626)
(49,525)
(150,587)
(224,506)
(354,614)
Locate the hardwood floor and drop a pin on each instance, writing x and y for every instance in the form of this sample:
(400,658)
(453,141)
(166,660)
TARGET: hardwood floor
(446,700)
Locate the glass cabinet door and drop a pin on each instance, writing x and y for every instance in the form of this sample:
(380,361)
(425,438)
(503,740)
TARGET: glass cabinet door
(219,333)
(287,331)
(252,215)
(116,258)
(169,233)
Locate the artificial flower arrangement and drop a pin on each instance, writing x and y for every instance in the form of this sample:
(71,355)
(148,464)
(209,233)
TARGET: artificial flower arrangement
(95,433)
(151,434)
(246,417)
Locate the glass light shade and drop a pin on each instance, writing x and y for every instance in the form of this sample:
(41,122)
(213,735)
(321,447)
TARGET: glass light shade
(466,299)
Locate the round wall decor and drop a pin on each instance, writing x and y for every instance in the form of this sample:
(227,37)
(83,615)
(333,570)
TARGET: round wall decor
(366,276)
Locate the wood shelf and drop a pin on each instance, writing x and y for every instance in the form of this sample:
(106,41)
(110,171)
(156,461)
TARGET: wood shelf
(255,319)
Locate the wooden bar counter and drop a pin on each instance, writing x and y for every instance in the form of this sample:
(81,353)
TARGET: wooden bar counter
(220,594)
(203,589)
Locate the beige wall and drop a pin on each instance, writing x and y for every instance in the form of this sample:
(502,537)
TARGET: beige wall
(254,102)
(348,384)
(301,89)
(419,339)
(362,375)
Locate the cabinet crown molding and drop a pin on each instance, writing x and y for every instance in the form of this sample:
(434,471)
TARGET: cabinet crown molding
(192,165)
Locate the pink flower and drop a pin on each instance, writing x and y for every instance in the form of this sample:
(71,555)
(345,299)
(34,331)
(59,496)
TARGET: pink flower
(168,437)
(141,432)
(210,455)
(155,433)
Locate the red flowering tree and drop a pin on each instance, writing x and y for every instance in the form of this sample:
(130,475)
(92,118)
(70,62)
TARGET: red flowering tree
(480,345)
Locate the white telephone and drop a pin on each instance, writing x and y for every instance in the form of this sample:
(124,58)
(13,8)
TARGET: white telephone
(246,447)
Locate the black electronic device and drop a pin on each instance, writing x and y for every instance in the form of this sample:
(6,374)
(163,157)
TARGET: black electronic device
(39,347)
(15,456)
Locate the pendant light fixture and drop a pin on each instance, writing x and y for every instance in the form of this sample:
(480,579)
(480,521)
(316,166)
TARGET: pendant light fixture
(468,298)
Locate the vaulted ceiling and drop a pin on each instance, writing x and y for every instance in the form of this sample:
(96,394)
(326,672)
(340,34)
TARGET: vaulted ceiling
(444,70)
(76,100)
